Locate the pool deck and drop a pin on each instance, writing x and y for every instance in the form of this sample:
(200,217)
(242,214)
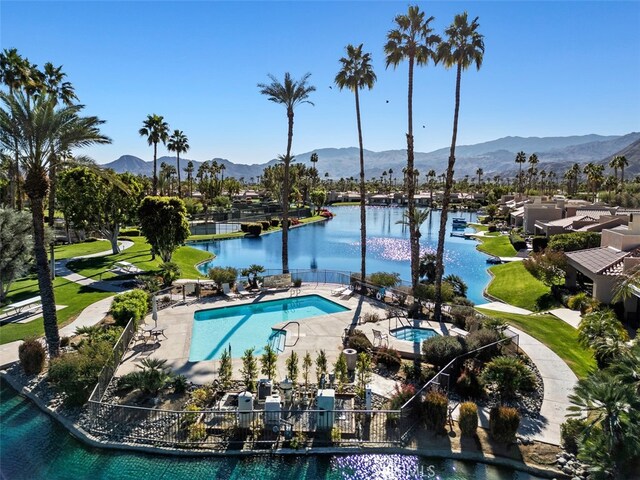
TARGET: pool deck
(323,332)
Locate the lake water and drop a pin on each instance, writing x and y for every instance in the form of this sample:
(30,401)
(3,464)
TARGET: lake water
(34,447)
(335,245)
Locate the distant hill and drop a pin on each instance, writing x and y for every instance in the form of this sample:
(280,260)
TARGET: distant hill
(495,157)
(632,154)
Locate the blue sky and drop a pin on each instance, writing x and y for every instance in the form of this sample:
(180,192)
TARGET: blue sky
(550,69)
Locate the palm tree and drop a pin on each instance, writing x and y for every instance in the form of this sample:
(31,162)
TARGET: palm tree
(289,93)
(533,171)
(40,128)
(156,130)
(521,158)
(189,171)
(620,161)
(412,40)
(594,177)
(419,217)
(179,143)
(479,172)
(463,47)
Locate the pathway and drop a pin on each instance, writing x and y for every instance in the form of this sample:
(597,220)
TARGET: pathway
(504,307)
(572,317)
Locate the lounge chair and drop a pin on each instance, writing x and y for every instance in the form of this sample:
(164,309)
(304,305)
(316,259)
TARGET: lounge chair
(339,290)
(227,291)
(346,293)
(379,336)
(242,292)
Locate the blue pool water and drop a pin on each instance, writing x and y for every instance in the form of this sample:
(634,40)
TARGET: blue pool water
(335,245)
(249,325)
(35,447)
(415,335)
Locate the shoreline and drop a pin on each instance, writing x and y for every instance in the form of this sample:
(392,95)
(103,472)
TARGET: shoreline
(87,439)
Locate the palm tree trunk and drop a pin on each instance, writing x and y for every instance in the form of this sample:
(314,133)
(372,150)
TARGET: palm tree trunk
(36,186)
(445,202)
(363,213)
(178,168)
(155,169)
(17,178)
(411,187)
(285,195)
(52,189)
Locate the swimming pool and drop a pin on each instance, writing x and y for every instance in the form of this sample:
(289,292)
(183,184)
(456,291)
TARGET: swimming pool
(249,325)
(415,335)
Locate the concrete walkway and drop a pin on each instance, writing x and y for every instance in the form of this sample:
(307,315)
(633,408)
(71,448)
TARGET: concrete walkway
(572,317)
(504,307)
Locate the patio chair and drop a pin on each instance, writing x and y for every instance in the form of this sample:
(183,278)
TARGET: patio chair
(347,293)
(226,289)
(379,336)
(242,292)
(339,290)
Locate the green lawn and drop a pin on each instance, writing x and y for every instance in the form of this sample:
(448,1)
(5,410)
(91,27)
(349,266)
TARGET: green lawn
(75,297)
(559,336)
(84,248)
(140,255)
(514,285)
(497,245)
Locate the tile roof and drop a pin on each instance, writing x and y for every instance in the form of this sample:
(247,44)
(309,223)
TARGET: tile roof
(598,260)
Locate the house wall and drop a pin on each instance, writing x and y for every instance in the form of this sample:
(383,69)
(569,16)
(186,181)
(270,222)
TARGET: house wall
(545,213)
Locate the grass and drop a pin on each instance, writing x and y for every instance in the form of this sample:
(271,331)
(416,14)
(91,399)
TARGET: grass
(497,245)
(559,336)
(140,255)
(345,204)
(478,227)
(513,284)
(84,248)
(75,297)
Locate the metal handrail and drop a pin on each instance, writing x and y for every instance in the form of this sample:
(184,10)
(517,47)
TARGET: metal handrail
(284,329)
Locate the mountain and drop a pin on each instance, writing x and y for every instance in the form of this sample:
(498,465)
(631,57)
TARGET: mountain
(495,157)
(632,154)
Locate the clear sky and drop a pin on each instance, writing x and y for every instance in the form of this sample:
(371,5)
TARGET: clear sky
(550,69)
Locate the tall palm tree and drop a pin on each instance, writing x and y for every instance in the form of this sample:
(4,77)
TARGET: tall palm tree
(413,40)
(621,162)
(40,128)
(314,162)
(357,73)
(595,178)
(521,158)
(156,130)
(533,161)
(463,47)
(479,172)
(289,93)
(189,169)
(179,143)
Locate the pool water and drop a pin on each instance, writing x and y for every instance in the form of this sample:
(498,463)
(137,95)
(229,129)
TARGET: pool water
(249,325)
(36,447)
(335,245)
(415,335)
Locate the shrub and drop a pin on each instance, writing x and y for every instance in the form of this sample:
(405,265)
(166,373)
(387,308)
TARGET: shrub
(180,384)
(481,338)
(468,385)
(197,432)
(492,228)
(384,279)
(517,241)
(571,432)
(401,394)
(32,355)
(130,305)
(570,242)
(359,341)
(583,302)
(192,416)
(539,243)
(153,376)
(132,232)
(244,227)
(389,357)
(222,275)
(370,317)
(202,397)
(254,229)
(265,224)
(435,409)
(468,419)
(503,423)
(170,272)
(64,342)
(297,282)
(416,373)
(509,375)
(460,314)
(275,222)
(439,351)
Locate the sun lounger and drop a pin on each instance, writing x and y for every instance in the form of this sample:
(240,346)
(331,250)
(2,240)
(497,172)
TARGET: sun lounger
(339,290)
(347,293)
(226,289)
(242,292)
(125,268)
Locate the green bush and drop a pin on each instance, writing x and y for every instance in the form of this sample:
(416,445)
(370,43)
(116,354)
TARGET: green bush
(265,225)
(571,432)
(275,222)
(244,227)
(32,355)
(401,395)
(468,419)
(132,304)
(439,351)
(169,272)
(583,302)
(492,228)
(570,242)
(468,384)
(222,275)
(180,383)
(297,282)
(481,338)
(539,243)
(132,232)
(385,279)
(517,241)
(202,397)
(191,417)
(254,229)
(416,373)
(509,374)
(503,423)
(435,410)
(389,357)
(359,341)
(197,432)
(153,376)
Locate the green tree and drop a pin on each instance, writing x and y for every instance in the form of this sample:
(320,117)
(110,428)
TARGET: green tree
(601,331)
(413,40)
(521,158)
(292,367)
(268,361)
(289,93)
(16,243)
(222,275)
(156,130)
(509,375)
(341,371)
(249,369)
(356,74)
(428,266)
(414,222)
(595,177)
(39,127)
(321,364)
(189,169)
(548,266)
(364,369)
(463,47)
(225,371)
(164,224)
(179,143)
(307,363)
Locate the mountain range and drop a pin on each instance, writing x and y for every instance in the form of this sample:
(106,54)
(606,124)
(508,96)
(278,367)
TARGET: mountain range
(495,157)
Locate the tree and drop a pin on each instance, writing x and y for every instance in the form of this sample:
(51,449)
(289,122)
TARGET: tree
(163,222)
(249,369)
(428,266)
(414,222)
(364,369)
(306,368)
(16,243)
(189,171)
(412,40)
(521,158)
(463,47)
(179,143)
(548,266)
(594,177)
(156,130)
(226,369)
(289,93)
(357,73)
(602,332)
(292,367)
(321,365)
(533,172)
(268,361)
(619,162)
(341,371)
(509,374)
(103,203)
(479,172)
(39,127)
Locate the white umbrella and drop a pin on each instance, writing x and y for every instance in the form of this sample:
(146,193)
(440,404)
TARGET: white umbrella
(154,310)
